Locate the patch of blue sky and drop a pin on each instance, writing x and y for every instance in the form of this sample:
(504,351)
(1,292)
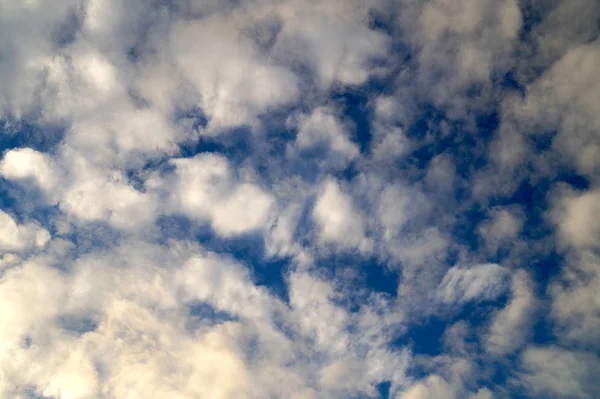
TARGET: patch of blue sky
(27,132)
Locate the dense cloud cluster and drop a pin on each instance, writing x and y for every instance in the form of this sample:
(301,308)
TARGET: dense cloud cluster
(299,199)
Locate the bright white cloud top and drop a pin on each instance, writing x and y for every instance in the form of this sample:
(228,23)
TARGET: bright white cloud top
(295,199)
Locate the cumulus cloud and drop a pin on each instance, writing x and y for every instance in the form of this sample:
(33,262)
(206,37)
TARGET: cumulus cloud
(559,373)
(510,327)
(502,228)
(205,189)
(20,237)
(235,84)
(323,134)
(27,164)
(338,219)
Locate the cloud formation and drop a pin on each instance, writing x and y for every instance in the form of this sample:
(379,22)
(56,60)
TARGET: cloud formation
(299,199)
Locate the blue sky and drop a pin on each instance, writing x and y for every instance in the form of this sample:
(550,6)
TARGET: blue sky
(294,199)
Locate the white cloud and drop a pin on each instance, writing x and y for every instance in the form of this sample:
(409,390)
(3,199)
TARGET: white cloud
(461,45)
(479,282)
(575,298)
(560,373)
(28,30)
(338,219)
(564,99)
(86,192)
(205,189)
(20,237)
(333,39)
(399,205)
(450,386)
(235,84)
(576,301)
(574,214)
(502,227)
(510,326)
(27,164)
(322,128)
(433,387)
(96,196)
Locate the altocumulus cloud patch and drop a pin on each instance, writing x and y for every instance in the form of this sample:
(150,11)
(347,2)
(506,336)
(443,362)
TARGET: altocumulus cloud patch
(297,199)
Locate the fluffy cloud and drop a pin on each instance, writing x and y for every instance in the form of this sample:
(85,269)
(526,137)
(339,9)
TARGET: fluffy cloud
(338,219)
(323,134)
(205,189)
(235,84)
(511,325)
(27,164)
(560,373)
(19,237)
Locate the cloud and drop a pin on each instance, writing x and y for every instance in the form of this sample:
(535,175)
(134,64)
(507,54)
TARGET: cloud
(323,134)
(333,39)
(234,83)
(562,100)
(460,47)
(477,283)
(559,373)
(573,214)
(511,325)
(338,219)
(27,164)
(502,228)
(19,237)
(453,386)
(205,188)
(575,301)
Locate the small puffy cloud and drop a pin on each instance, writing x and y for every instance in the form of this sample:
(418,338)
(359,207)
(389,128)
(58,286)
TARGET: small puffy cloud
(126,136)
(235,84)
(429,245)
(511,325)
(333,39)
(576,300)
(574,213)
(87,192)
(441,174)
(450,377)
(204,188)
(434,387)
(21,237)
(96,194)
(476,283)
(27,164)
(324,134)
(338,218)
(501,228)
(223,284)
(399,205)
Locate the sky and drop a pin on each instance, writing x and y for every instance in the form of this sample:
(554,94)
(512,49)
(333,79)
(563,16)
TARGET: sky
(299,199)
